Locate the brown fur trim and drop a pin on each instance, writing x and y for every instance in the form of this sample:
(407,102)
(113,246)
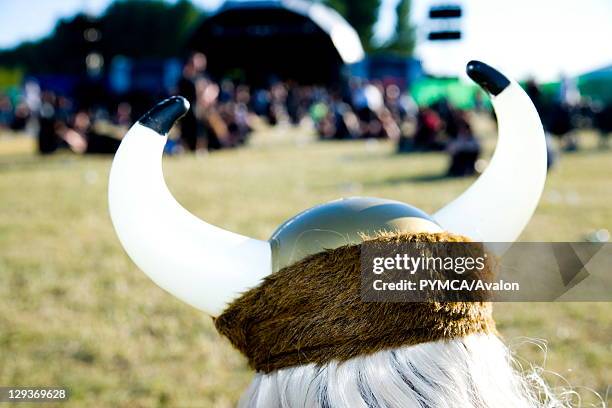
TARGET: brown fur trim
(311,312)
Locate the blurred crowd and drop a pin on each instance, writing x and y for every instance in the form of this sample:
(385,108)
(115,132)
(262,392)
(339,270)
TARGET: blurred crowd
(222,115)
(568,111)
(60,123)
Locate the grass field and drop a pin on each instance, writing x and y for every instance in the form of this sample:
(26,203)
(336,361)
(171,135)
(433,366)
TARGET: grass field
(75,311)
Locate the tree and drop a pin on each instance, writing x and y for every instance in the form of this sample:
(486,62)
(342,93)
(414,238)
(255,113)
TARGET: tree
(402,42)
(145,28)
(361,14)
(63,51)
(133,28)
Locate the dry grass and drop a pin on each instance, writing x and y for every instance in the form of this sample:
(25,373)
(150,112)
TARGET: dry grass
(75,311)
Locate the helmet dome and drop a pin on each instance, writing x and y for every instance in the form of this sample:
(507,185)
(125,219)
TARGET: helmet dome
(343,222)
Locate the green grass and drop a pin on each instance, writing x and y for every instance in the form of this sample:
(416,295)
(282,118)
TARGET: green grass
(75,311)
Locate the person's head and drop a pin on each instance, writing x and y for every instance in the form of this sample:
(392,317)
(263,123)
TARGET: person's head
(292,304)
(196,63)
(81,121)
(531,84)
(462,122)
(392,92)
(49,97)
(243,94)
(5,102)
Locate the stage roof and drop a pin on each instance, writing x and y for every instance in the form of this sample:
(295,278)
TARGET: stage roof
(293,39)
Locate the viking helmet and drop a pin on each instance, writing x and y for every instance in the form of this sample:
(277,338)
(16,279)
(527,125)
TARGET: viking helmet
(208,267)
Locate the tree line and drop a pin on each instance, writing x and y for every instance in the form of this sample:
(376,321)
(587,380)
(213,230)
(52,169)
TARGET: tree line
(158,29)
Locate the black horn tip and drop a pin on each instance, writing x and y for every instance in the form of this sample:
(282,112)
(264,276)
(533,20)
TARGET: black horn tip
(165,114)
(489,79)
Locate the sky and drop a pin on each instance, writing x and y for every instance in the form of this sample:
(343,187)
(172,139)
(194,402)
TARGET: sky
(524,38)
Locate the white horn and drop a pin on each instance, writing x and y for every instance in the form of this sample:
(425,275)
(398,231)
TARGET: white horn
(498,206)
(199,263)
